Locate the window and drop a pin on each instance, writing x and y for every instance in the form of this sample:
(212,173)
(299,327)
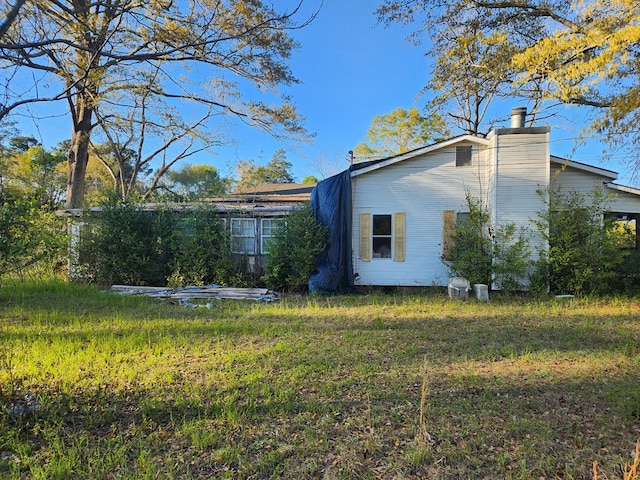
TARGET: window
(381,236)
(243,235)
(463,156)
(268,227)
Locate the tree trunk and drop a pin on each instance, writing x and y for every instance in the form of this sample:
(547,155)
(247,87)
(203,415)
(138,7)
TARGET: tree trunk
(78,155)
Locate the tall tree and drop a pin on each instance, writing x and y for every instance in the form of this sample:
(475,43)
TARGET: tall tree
(278,170)
(10,15)
(573,52)
(89,52)
(400,131)
(196,182)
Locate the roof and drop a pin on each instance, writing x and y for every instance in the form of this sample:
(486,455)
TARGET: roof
(239,208)
(365,167)
(270,194)
(623,188)
(583,166)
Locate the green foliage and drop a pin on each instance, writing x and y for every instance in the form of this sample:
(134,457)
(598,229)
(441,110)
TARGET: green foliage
(125,244)
(137,51)
(278,170)
(196,182)
(472,245)
(587,251)
(400,131)
(296,242)
(30,234)
(511,257)
(32,238)
(483,256)
(201,252)
(575,52)
(310,179)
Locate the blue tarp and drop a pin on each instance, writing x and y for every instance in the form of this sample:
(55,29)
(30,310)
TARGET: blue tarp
(331,202)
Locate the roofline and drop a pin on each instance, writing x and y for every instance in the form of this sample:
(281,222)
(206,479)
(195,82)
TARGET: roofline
(623,188)
(384,162)
(583,166)
(518,131)
(187,207)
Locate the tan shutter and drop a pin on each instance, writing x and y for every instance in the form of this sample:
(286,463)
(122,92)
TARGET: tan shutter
(399,227)
(448,230)
(365,237)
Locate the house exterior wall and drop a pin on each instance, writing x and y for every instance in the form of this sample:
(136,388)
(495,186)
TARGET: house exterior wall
(570,179)
(506,174)
(624,202)
(422,188)
(520,179)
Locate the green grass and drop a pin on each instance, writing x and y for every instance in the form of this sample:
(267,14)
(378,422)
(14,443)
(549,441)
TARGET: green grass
(316,387)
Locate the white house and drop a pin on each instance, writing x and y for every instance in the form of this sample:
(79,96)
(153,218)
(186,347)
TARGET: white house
(403,208)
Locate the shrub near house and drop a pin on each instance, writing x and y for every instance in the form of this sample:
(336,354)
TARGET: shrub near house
(125,244)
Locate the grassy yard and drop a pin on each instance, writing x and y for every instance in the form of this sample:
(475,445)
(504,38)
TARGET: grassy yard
(365,386)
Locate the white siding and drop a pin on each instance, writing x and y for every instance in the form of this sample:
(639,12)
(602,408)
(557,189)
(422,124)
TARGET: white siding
(624,202)
(569,179)
(421,187)
(521,180)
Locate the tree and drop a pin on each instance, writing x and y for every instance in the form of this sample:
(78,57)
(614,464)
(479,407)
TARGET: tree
(587,250)
(578,53)
(98,54)
(10,16)
(278,170)
(400,131)
(310,179)
(196,182)
(37,173)
(483,254)
(292,250)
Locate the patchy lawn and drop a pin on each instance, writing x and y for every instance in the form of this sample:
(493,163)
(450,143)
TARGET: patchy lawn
(95,385)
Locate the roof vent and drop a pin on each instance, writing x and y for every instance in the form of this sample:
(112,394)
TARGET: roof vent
(518,115)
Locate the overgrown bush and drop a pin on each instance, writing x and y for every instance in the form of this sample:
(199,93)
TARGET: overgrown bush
(201,252)
(588,250)
(292,250)
(482,255)
(31,236)
(125,245)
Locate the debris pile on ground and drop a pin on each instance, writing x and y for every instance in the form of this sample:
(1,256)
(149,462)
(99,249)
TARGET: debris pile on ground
(185,295)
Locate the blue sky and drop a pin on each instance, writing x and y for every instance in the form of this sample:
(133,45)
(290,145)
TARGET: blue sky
(351,69)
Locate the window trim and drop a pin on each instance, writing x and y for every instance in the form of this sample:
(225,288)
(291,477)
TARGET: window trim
(397,237)
(263,248)
(233,237)
(384,236)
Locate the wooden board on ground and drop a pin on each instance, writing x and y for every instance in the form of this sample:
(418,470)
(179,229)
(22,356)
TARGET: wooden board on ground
(195,292)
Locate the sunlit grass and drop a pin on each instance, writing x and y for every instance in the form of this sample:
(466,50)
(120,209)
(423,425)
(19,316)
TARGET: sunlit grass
(310,387)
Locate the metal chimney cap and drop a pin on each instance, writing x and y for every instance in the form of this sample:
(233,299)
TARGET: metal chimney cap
(518,115)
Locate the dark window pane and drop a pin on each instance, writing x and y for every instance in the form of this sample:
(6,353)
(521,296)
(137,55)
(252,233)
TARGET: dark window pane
(382,224)
(463,156)
(381,247)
